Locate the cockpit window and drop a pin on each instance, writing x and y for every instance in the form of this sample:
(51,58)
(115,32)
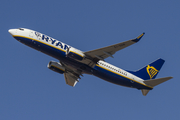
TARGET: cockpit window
(21,29)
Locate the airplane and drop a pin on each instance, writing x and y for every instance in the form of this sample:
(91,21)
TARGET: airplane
(73,63)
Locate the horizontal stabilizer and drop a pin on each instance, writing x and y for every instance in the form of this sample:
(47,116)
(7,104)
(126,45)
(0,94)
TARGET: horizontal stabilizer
(144,92)
(157,81)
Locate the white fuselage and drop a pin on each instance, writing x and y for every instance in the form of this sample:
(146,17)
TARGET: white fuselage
(58,50)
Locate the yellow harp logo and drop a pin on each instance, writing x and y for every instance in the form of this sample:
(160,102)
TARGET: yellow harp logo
(151,71)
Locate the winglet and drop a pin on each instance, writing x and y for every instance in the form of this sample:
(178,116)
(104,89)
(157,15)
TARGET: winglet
(138,38)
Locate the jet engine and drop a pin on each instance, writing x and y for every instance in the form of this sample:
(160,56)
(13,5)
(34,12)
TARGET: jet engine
(55,66)
(75,54)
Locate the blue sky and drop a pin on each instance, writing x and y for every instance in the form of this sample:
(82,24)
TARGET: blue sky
(30,91)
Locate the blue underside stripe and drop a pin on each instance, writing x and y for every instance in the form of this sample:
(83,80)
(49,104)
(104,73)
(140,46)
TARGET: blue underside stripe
(118,79)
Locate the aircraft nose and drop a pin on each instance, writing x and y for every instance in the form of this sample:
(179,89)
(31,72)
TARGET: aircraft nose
(12,31)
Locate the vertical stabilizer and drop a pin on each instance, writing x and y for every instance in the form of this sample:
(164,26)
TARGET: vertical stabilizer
(150,71)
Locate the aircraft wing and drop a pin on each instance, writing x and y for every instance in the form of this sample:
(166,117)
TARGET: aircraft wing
(70,79)
(71,75)
(108,51)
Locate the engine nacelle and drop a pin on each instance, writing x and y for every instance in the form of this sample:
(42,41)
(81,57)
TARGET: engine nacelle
(75,54)
(55,66)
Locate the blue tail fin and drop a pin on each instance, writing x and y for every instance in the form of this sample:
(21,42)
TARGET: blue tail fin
(150,71)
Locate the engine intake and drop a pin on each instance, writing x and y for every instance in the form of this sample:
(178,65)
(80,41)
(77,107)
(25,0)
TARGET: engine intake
(56,66)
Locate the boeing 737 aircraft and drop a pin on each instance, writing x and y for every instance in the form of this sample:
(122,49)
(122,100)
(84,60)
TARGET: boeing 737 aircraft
(73,62)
